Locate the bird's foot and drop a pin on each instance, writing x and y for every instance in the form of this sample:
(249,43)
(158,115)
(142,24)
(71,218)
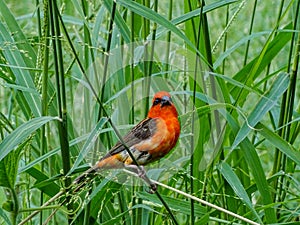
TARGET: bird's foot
(141,172)
(153,188)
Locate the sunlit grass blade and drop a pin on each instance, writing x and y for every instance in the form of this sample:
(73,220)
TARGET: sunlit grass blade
(253,162)
(20,38)
(259,176)
(265,104)
(237,186)
(9,167)
(278,142)
(247,74)
(22,77)
(88,144)
(21,133)
(43,182)
(4,216)
(195,13)
(157,18)
(218,62)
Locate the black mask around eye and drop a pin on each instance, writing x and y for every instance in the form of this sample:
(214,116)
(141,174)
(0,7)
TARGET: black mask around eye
(165,100)
(156,101)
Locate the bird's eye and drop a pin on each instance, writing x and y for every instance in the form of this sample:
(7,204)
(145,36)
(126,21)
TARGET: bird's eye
(156,101)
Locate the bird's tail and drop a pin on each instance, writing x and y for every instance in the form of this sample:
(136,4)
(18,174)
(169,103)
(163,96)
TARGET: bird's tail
(108,162)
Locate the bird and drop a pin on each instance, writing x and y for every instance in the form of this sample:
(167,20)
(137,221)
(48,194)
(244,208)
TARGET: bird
(151,139)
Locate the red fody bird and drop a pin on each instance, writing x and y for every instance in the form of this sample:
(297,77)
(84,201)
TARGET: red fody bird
(148,141)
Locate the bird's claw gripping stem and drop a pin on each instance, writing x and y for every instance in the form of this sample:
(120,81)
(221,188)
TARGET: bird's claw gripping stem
(141,172)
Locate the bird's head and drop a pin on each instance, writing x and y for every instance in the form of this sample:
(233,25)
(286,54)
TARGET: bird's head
(162,103)
(162,98)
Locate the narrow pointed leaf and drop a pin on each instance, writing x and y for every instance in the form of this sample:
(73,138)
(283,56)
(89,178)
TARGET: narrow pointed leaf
(277,141)
(23,78)
(21,133)
(157,18)
(237,186)
(5,217)
(9,168)
(89,142)
(265,104)
(250,154)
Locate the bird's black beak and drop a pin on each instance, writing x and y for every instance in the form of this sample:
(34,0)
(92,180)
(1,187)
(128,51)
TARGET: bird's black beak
(166,100)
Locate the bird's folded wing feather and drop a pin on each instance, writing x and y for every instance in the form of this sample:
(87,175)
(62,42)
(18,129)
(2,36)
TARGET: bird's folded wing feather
(142,131)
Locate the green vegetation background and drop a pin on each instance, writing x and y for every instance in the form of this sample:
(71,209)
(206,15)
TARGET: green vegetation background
(73,74)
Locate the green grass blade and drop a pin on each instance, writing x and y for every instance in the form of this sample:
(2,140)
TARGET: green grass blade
(265,104)
(157,18)
(272,49)
(89,143)
(193,14)
(51,153)
(218,62)
(278,142)
(121,24)
(21,133)
(9,168)
(23,77)
(254,163)
(20,38)
(237,186)
(43,182)
(4,216)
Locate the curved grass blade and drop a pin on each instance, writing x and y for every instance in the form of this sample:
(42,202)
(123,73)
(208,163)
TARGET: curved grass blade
(4,216)
(279,143)
(237,45)
(265,104)
(19,135)
(121,24)
(20,38)
(89,142)
(23,77)
(237,186)
(53,152)
(179,205)
(251,158)
(157,18)
(254,163)
(247,75)
(194,13)
(9,167)
(43,182)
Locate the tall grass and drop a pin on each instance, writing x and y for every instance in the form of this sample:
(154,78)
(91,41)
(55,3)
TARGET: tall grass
(75,75)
